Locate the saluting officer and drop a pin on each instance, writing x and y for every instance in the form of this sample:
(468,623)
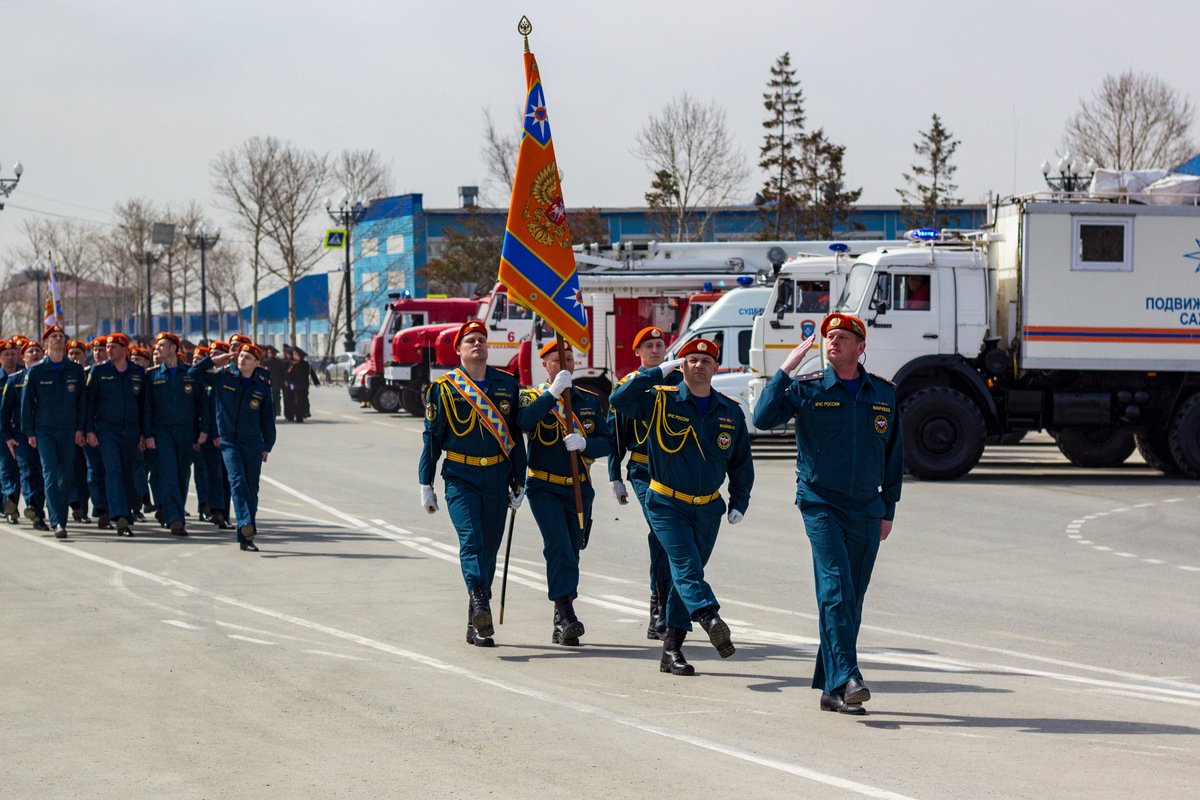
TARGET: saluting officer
(696,437)
(29,465)
(52,411)
(10,471)
(174,414)
(246,427)
(471,419)
(849,467)
(114,425)
(550,485)
(629,435)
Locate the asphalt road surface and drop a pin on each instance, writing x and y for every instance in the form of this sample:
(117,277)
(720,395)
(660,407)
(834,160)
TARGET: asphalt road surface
(1031,631)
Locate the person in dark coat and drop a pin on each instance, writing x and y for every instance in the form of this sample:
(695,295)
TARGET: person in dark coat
(278,368)
(299,376)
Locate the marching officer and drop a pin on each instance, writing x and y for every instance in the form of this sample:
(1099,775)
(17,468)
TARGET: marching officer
(77,352)
(29,465)
(199,462)
(10,471)
(471,419)
(650,347)
(696,437)
(115,391)
(849,467)
(246,427)
(174,420)
(550,485)
(52,413)
(214,463)
(96,481)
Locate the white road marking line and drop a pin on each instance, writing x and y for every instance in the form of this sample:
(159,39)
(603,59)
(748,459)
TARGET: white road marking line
(1125,555)
(1174,500)
(552,699)
(1143,505)
(1083,541)
(248,639)
(355,521)
(178,623)
(1144,696)
(336,655)
(1102,548)
(1154,561)
(1189,569)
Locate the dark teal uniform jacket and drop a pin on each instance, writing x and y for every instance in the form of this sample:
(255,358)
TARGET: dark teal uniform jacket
(53,400)
(114,399)
(849,451)
(547,453)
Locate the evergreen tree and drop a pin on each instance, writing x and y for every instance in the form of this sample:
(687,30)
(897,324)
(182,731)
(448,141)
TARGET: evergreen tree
(930,188)
(827,201)
(780,201)
(662,200)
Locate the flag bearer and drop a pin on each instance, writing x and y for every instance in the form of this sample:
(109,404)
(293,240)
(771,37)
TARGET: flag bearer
(550,485)
(246,426)
(174,419)
(697,436)
(10,471)
(629,436)
(52,413)
(28,464)
(471,419)
(115,392)
(849,468)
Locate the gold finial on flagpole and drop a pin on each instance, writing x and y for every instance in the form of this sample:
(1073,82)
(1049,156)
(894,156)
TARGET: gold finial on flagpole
(525,27)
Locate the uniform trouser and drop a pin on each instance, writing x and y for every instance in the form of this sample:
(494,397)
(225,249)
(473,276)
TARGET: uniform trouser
(218,478)
(243,460)
(79,486)
(173,458)
(57,452)
(277,398)
(688,535)
(660,567)
(553,509)
(119,452)
(10,474)
(146,477)
(478,518)
(844,547)
(95,478)
(200,476)
(33,487)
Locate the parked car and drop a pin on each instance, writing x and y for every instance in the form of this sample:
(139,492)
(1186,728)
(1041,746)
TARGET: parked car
(338,370)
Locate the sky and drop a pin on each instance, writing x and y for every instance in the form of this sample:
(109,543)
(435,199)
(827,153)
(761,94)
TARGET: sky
(107,101)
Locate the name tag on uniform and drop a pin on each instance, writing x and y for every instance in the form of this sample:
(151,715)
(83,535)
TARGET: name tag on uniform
(827,404)
(884,407)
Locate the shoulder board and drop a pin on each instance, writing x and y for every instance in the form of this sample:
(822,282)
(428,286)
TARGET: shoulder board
(442,378)
(727,397)
(665,388)
(880,378)
(633,374)
(586,391)
(503,372)
(812,376)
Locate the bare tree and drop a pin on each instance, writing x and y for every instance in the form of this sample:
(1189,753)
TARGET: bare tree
(24,262)
(226,282)
(244,178)
(301,179)
(499,154)
(1133,121)
(362,173)
(693,144)
(76,252)
(122,254)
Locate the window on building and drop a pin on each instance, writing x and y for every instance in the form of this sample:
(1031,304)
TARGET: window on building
(371,317)
(370,281)
(370,247)
(1102,243)
(395,279)
(434,247)
(395,245)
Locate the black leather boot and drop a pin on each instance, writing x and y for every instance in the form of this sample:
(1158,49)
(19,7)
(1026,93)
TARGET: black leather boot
(652,628)
(567,628)
(663,592)
(717,630)
(481,612)
(473,636)
(672,653)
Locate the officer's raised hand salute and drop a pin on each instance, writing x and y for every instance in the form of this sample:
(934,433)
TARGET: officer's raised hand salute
(552,438)
(471,419)
(849,467)
(696,437)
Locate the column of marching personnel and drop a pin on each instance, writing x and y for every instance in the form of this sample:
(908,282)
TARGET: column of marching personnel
(684,441)
(129,433)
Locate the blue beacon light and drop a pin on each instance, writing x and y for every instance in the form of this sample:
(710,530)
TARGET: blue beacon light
(839,247)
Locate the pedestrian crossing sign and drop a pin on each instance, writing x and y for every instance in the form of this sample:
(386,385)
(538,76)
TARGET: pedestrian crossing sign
(335,240)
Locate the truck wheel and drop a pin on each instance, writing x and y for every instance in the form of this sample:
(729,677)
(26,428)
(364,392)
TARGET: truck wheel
(411,400)
(1156,450)
(1185,437)
(386,400)
(943,434)
(1099,447)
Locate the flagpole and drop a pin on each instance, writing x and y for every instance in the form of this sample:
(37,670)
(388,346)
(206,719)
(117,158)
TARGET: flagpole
(566,398)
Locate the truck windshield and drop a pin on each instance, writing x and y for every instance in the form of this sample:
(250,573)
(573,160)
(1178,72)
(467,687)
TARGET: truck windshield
(857,284)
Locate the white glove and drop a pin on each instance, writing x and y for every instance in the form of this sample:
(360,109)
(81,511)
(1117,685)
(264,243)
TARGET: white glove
(620,492)
(561,382)
(668,367)
(574,441)
(734,516)
(515,500)
(429,499)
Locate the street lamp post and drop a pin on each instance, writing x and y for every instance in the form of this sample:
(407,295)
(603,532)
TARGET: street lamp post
(202,241)
(345,215)
(150,254)
(8,184)
(1072,176)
